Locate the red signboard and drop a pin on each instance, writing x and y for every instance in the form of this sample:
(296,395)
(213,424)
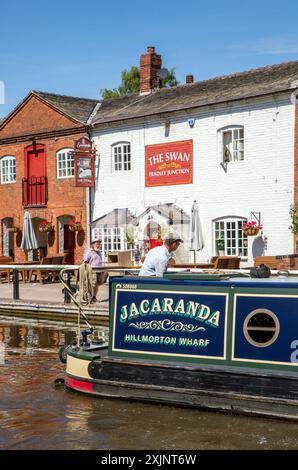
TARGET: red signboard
(169,163)
(83,145)
(84,169)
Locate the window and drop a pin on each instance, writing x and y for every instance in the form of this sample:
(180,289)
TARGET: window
(8,169)
(65,163)
(232,144)
(121,157)
(229,237)
(112,239)
(261,328)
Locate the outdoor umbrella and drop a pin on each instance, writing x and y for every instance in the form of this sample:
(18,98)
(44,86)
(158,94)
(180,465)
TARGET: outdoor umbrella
(29,241)
(196,242)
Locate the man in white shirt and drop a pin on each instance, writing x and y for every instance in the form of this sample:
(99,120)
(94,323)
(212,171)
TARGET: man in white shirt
(157,259)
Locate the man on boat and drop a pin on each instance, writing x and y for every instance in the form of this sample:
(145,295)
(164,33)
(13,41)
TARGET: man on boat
(157,260)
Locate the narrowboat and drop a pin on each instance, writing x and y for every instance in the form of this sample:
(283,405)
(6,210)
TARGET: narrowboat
(224,342)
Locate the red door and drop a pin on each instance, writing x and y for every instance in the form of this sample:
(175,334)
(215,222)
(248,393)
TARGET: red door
(35,176)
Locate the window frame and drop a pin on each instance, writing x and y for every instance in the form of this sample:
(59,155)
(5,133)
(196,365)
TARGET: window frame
(112,240)
(8,158)
(121,158)
(234,143)
(241,242)
(67,151)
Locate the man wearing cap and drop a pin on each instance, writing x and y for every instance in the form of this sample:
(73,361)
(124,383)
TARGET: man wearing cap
(94,258)
(157,259)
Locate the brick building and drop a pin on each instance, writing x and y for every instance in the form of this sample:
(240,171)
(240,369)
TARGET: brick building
(37,174)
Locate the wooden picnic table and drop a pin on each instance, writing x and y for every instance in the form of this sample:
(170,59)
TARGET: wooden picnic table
(24,272)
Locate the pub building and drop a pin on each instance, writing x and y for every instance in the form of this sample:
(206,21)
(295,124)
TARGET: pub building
(37,176)
(229,143)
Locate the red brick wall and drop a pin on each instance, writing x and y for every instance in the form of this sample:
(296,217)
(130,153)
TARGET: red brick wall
(63,197)
(33,117)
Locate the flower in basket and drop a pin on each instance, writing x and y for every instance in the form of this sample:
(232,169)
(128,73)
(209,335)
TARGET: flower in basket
(45,226)
(74,225)
(251,228)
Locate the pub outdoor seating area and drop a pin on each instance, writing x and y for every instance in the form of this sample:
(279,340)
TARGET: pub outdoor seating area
(122,259)
(26,275)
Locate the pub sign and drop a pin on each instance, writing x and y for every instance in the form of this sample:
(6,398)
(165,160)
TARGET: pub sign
(84,157)
(169,163)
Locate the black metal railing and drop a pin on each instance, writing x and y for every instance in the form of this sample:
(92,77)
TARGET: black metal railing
(35,191)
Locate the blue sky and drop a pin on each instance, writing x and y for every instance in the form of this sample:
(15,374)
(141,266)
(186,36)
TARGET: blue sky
(79,47)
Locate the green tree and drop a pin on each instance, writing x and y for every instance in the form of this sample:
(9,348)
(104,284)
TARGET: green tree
(294,218)
(130,83)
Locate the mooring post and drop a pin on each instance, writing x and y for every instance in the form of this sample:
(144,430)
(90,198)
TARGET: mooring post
(16,290)
(66,278)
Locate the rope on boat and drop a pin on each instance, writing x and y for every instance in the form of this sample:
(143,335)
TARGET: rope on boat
(73,298)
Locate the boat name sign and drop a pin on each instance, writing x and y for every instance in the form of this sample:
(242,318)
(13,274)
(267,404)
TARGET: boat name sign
(168,322)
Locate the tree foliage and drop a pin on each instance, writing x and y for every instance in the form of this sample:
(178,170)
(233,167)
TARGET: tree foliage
(130,83)
(294,218)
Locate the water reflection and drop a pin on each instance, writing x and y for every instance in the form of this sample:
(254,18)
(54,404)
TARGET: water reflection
(36,415)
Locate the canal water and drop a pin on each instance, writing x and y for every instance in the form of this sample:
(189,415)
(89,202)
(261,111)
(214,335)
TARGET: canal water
(36,415)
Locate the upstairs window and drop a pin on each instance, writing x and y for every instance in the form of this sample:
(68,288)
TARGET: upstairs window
(8,169)
(65,163)
(232,144)
(121,157)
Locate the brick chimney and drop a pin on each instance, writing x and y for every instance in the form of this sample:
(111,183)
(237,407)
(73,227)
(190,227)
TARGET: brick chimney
(189,79)
(149,64)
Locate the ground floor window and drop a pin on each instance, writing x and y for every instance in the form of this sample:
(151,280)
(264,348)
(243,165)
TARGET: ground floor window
(229,239)
(112,240)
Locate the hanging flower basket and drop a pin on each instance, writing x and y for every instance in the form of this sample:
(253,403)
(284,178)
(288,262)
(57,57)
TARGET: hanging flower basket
(74,226)
(13,229)
(251,229)
(45,226)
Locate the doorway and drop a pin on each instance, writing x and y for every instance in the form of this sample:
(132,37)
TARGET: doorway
(35,176)
(67,239)
(7,237)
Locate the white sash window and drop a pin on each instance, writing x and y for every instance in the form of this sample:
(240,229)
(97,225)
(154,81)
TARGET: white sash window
(65,163)
(234,240)
(8,169)
(231,144)
(121,156)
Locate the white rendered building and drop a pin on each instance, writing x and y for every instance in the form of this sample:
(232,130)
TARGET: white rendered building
(228,143)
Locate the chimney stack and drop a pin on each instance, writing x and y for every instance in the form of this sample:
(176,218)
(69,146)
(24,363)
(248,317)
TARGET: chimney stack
(189,79)
(150,63)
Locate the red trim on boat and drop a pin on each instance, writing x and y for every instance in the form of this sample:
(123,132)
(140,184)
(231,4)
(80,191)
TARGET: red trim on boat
(79,385)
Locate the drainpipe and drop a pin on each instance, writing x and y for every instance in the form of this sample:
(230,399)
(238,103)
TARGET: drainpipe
(89,190)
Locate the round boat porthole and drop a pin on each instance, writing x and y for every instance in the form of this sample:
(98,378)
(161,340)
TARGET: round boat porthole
(261,327)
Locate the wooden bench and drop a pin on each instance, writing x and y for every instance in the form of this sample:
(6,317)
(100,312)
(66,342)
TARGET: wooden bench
(227,262)
(41,275)
(47,274)
(269,261)
(5,273)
